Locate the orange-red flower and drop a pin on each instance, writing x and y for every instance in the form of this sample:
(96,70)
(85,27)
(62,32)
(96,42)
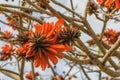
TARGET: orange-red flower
(7,33)
(7,51)
(43,45)
(110,36)
(29,75)
(21,50)
(7,48)
(111,32)
(108,3)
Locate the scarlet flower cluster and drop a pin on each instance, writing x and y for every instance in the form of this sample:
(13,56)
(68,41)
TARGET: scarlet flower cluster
(7,51)
(110,36)
(42,45)
(108,3)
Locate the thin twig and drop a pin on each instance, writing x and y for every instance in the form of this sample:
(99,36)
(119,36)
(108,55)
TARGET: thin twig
(20,13)
(33,71)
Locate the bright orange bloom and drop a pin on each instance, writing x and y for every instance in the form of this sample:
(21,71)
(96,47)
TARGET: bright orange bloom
(112,33)
(117,4)
(21,50)
(108,3)
(110,36)
(43,45)
(7,33)
(7,48)
(8,51)
(29,76)
(49,33)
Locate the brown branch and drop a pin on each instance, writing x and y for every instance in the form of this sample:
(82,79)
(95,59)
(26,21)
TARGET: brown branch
(103,28)
(95,61)
(19,7)
(9,73)
(33,71)
(22,69)
(111,50)
(20,13)
(98,42)
(77,61)
(72,6)
(84,72)
(41,10)
(115,53)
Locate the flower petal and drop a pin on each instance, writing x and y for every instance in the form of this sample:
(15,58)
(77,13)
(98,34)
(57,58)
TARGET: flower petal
(108,3)
(59,23)
(58,47)
(68,48)
(51,50)
(52,58)
(117,4)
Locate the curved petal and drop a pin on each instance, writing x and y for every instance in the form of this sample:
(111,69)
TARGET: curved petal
(45,28)
(51,50)
(67,47)
(37,28)
(117,4)
(44,64)
(52,58)
(108,3)
(51,31)
(59,23)
(37,61)
(57,55)
(49,27)
(58,47)
(42,28)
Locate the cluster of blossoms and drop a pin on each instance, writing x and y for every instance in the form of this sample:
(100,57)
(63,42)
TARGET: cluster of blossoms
(108,6)
(7,51)
(44,43)
(108,3)
(110,36)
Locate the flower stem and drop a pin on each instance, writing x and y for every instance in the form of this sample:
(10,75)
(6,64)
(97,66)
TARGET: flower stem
(33,71)
(22,69)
